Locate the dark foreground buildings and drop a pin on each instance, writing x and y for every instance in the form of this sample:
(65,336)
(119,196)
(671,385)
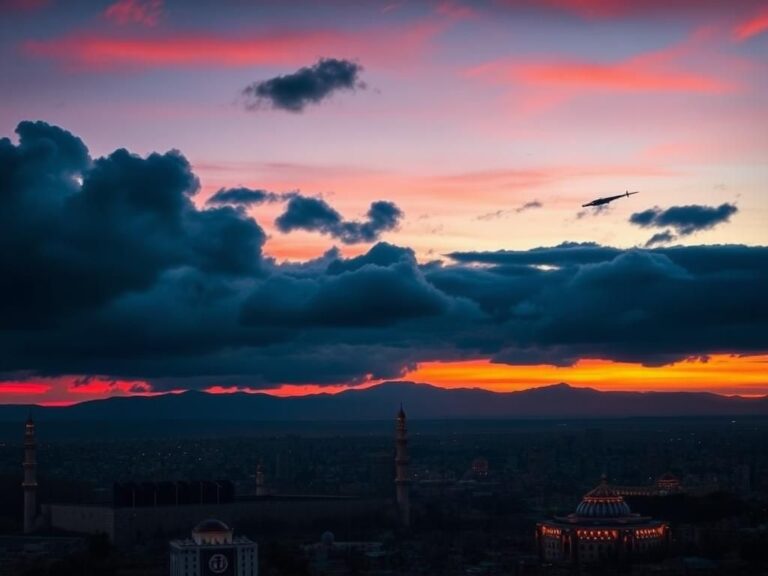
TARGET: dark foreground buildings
(445,510)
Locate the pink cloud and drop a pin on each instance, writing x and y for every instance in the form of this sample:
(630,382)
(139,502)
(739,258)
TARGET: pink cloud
(656,71)
(629,76)
(88,51)
(753,26)
(143,12)
(646,73)
(618,9)
(92,52)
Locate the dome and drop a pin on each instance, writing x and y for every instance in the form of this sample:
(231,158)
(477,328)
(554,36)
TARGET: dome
(211,525)
(212,531)
(327,538)
(603,502)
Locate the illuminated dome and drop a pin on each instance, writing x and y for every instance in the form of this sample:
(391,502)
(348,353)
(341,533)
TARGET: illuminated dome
(603,502)
(603,529)
(212,531)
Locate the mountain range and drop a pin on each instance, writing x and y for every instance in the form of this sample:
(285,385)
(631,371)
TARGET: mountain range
(381,402)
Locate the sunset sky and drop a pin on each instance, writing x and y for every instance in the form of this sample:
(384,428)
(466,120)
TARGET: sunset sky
(400,189)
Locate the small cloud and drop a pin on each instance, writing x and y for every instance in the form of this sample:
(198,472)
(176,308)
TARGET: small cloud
(316,215)
(308,85)
(593,211)
(244,196)
(529,206)
(142,12)
(495,215)
(660,238)
(684,220)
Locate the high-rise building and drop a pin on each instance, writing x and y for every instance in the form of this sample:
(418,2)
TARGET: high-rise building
(30,476)
(214,551)
(402,480)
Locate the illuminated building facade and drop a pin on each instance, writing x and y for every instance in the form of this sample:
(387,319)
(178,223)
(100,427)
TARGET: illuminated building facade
(214,551)
(666,485)
(603,529)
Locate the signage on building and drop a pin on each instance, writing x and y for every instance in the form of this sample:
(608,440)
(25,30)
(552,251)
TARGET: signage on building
(218,562)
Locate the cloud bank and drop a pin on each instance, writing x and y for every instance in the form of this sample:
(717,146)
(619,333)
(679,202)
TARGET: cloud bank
(114,272)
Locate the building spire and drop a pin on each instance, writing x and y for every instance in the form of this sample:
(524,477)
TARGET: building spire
(261,484)
(30,475)
(402,479)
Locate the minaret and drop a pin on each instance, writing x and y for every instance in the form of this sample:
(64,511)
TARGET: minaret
(261,487)
(30,476)
(402,481)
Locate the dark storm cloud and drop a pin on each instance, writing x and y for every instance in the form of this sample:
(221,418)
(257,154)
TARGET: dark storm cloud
(130,220)
(111,270)
(685,219)
(316,215)
(243,196)
(308,85)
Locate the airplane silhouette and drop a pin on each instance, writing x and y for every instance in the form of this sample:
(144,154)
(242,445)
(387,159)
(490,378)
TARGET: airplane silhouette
(608,199)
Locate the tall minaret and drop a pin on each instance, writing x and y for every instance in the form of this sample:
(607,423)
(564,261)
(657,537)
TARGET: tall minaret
(261,485)
(30,476)
(402,481)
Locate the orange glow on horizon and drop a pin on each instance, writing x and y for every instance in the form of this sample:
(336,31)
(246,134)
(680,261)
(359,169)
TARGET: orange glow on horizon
(721,374)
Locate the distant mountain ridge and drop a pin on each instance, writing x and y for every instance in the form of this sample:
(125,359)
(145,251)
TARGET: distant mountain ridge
(421,401)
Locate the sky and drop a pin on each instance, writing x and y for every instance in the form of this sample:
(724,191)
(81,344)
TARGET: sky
(298,197)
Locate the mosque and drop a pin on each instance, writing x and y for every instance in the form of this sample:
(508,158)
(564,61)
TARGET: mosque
(602,529)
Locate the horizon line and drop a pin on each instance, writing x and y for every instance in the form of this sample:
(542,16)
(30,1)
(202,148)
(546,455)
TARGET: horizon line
(334,390)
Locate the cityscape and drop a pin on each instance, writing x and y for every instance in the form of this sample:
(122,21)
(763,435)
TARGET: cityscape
(384,288)
(397,497)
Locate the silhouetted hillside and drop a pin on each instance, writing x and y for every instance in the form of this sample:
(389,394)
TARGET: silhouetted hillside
(422,401)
